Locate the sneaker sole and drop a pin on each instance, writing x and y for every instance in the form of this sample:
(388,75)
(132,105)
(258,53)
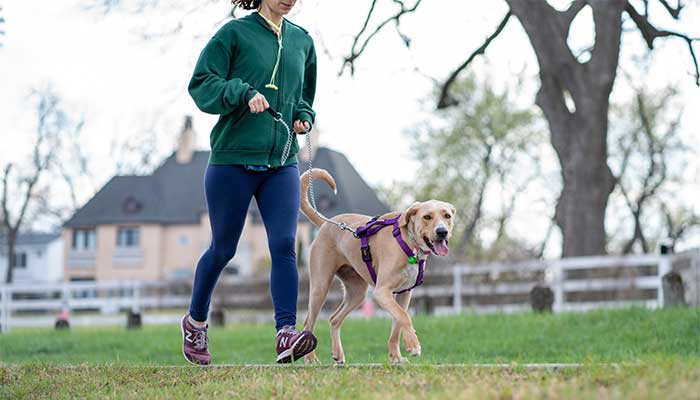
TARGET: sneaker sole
(182,331)
(303,346)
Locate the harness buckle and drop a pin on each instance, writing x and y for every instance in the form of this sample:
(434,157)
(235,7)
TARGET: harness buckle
(366,254)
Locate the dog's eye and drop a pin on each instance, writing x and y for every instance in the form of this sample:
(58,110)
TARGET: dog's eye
(448,216)
(427,217)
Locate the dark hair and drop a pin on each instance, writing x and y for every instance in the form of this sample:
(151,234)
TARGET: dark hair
(247,4)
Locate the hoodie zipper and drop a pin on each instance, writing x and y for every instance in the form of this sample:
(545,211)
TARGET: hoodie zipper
(279,96)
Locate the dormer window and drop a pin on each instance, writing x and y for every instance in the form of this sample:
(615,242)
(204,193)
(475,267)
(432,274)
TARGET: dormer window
(131,206)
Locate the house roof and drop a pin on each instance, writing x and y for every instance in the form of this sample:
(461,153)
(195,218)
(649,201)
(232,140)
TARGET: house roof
(354,194)
(32,238)
(174,194)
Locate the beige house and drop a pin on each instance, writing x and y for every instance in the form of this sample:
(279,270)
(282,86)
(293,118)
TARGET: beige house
(156,227)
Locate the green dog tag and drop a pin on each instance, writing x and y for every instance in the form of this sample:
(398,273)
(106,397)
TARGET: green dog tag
(412,260)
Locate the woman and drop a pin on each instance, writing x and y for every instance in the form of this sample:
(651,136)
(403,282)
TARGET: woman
(251,63)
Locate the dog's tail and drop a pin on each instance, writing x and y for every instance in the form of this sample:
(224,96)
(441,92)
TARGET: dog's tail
(306,208)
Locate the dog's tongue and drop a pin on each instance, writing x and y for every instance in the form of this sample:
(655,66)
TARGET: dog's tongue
(441,248)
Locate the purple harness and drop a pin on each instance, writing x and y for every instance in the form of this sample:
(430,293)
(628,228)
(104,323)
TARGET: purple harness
(374,226)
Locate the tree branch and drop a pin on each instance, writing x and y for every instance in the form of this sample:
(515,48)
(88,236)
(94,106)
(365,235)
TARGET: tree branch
(675,12)
(445,100)
(354,54)
(470,229)
(573,10)
(650,33)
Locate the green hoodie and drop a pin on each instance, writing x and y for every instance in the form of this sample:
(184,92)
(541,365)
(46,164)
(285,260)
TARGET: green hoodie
(237,62)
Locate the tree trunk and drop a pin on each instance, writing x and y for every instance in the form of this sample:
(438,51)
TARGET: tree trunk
(587,184)
(579,136)
(11,240)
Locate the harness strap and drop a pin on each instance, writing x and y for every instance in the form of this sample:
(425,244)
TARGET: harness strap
(374,226)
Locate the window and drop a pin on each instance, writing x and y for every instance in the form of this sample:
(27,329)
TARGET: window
(128,237)
(19,260)
(84,239)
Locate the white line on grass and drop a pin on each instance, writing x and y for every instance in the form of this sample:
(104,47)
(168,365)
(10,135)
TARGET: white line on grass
(406,365)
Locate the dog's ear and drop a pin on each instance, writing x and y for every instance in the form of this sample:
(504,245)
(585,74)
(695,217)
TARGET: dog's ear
(411,211)
(453,209)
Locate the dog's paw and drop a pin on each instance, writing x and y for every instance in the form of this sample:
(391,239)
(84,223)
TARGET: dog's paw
(339,360)
(398,360)
(412,344)
(414,351)
(312,359)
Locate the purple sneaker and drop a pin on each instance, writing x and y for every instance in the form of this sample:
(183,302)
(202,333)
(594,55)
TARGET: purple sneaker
(195,346)
(293,345)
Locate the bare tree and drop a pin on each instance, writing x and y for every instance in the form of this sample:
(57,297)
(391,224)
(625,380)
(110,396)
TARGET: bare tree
(147,31)
(578,134)
(650,155)
(2,27)
(24,192)
(656,145)
(679,222)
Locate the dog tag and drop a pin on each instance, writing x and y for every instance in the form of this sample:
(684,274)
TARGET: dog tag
(412,260)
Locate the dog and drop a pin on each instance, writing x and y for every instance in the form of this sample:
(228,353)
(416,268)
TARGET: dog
(336,252)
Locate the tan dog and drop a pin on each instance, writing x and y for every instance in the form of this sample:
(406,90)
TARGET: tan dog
(336,252)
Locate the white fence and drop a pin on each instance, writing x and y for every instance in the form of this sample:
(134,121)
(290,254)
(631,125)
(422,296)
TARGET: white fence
(478,288)
(555,276)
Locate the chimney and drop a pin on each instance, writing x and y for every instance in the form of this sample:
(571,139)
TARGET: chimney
(185,143)
(303,154)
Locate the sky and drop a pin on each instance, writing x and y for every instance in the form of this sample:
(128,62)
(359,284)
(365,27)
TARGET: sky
(127,75)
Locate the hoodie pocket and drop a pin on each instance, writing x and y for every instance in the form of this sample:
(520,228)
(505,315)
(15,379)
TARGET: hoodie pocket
(246,131)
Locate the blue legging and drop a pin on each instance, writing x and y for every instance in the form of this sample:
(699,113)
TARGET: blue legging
(229,189)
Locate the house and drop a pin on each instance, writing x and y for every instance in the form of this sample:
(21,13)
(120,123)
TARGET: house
(38,258)
(156,227)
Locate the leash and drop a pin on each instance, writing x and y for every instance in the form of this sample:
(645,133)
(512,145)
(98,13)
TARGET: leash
(277,116)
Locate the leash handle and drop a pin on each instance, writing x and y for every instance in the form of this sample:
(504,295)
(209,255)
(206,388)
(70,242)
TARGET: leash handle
(276,115)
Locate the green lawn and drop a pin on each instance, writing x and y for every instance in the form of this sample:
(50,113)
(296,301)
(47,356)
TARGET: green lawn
(627,353)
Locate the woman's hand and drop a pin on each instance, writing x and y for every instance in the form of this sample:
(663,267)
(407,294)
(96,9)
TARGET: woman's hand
(258,104)
(301,127)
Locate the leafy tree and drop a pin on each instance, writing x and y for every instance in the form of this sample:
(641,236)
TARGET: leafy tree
(486,147)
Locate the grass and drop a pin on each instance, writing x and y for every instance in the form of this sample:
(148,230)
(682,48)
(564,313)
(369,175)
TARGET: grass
(655,354)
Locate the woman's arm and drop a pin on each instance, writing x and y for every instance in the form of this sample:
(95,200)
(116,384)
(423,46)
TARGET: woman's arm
(209,89)
(304,111)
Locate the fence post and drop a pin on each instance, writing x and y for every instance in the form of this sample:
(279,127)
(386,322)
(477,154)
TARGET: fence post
(5,309)
(664,267)
(65,296)
(558,286)
(136,302)
(457,289)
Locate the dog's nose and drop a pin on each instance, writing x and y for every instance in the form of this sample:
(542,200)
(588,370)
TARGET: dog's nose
(441,233)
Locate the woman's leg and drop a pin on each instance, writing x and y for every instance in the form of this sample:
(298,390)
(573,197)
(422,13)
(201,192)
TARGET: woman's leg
(229,189)
(278,201)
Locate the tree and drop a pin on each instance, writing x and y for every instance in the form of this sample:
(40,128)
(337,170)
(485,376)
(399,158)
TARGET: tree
(650,155)
(24,186)
(573,95)
(486,147)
